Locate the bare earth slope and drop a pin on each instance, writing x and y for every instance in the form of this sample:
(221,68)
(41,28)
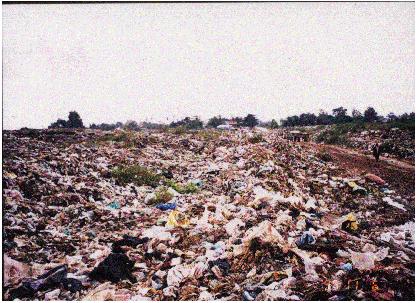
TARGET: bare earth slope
(399,173)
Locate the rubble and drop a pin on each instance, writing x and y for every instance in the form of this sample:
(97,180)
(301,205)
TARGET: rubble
(237,215)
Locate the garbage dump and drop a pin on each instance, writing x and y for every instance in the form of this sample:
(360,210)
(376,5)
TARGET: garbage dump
(394,142)
(209,215)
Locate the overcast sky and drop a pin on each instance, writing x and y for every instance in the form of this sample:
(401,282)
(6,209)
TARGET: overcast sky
(159,62)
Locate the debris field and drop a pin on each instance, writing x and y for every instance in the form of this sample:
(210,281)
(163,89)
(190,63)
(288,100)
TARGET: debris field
(204,215)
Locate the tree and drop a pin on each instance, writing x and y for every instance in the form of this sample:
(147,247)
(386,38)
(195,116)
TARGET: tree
(274,124)
(131,125)
(195,123)
(340,115)
(356,115)
(291,121)
(74,120)
(407,117)
(392,117)
(215,121)
(189,123)
(60,123)
(324,118)
(370,115)
(307,119)
(239,121)
(250,121)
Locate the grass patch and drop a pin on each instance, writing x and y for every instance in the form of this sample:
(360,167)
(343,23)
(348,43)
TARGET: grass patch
(180,130)
(126,139)
(189,188)
(208,134)
(331,137)
(336,134)
(135,174)
(256,138)
(162,195)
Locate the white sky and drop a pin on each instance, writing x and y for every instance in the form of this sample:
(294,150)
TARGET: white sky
(114,62)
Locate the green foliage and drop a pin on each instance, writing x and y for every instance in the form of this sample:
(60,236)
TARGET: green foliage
(256,138)
(162,195)
(370,115)
(131,125)
(336,134)
(208,134)
(127,139)
(215,121)
(189,188)
(74,121)
(324,118)
(180,130)
(274,124)
(331,137)
(250,121)
(188,123)
(401,124)
(106,126)
(60,123)
(135,174)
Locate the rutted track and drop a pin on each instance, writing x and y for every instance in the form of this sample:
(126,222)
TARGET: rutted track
(398,174)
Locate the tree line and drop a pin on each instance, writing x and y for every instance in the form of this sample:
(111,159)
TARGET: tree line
(339,116)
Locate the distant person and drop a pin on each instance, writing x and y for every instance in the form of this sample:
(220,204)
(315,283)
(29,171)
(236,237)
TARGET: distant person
(376,150)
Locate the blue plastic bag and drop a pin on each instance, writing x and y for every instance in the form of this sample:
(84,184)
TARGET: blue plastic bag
(166,206)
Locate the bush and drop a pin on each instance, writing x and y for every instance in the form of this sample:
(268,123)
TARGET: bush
(188,123)
(189,188)
(336,134)
(135,174)
(208,134)
(128,139)
(74,121)
(256,138)
(180,130)
(162,195)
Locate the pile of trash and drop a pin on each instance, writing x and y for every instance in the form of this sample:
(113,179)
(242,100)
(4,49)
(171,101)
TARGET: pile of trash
(208,215)
(395,142)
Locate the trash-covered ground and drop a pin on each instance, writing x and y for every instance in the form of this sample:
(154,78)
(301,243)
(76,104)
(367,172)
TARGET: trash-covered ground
(200,216)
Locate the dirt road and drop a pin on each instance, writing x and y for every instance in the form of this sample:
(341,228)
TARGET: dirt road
(398,174)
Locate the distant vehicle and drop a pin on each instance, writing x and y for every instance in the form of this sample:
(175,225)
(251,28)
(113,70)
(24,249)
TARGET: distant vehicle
(298,136)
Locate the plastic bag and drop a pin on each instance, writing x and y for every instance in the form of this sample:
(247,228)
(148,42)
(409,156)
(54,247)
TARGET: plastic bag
(104,292)
(350,223)
(266,232)
(183,271)
(14,271)
(177,219)
(366,260)
(233,228)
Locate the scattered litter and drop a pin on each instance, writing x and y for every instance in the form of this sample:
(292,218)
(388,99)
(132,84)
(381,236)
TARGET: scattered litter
(177,219)
(393,203)
(199,215)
